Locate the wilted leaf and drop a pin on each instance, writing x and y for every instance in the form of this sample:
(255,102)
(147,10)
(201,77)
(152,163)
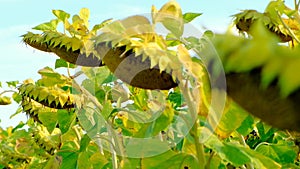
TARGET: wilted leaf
(5,100)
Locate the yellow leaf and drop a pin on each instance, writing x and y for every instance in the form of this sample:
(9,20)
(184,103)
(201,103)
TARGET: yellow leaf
(183,54)
(153,13)
(84,15)
(197,69)
(63,99)
(163,62)
(171,8)
(76,44)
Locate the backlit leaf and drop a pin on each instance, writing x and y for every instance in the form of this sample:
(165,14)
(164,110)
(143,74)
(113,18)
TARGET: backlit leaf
(48,26)
(61,15)
(84,15)
(170,15)
(12,83)
(231,119)
(288,79)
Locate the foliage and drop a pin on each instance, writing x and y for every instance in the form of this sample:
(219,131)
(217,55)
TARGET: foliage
(89,119)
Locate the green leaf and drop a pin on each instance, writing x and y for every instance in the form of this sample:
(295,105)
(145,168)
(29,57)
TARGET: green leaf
(170,160)
(176,98)
(107,109)
(98,160)
(69,159)
(65,119)
(62,63)
(48,119)
(83,160)
(47,71)
(47,26)
(0,84)
(19,126)
(259,160)
(175,26)
(188,17)
(84,142)
(235,153)
(12,83)
(246,126)
(53,163)
(61,15)
(283,154)
(17,97)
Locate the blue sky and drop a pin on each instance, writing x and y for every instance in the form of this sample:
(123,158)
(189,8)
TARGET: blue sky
(19,62)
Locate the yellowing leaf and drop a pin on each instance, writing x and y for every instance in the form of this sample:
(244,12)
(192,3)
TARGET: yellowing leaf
(197,69)
(115,27)
(34,93)
(43,93)
(5,100)
(170,15)
(76,44)
(135,20)
(61,15)
(231,119)
(163,62)
(63,99)
(48,26)
(50,99)
(84,15)
(183,54)
(153,13)
(171,8)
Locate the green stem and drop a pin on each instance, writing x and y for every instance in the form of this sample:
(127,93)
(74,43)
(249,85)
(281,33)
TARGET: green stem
(296,5)
(68,69)
(243,142)
(194,131)
(6,91)
(199,147)
(207,166)
(78,136)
